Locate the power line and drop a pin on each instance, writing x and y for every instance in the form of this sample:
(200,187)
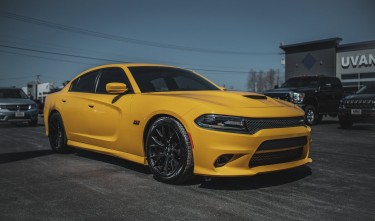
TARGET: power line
(61,54)
(103,59)
(122,38)
(53,59)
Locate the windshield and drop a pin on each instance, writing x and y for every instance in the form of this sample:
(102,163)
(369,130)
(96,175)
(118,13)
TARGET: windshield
(301,82)
(368,89)
(155,79)
(12,93)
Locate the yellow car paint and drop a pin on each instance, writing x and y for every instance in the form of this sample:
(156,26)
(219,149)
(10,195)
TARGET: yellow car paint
(94,122)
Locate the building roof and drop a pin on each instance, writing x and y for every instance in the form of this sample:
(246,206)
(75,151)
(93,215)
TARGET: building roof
(312,45)
(357,46)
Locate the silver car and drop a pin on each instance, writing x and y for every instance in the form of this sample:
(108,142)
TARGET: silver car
(15,106)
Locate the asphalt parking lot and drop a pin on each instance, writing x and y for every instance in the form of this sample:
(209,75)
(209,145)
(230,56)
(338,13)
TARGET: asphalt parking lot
(36,184)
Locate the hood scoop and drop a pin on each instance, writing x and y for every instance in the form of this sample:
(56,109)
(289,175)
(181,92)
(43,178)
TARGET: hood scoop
(256,97)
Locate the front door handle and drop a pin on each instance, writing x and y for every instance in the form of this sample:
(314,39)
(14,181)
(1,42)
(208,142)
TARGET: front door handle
(63,100)
(91,105)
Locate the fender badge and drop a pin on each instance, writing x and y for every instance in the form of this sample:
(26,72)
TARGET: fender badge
(136,122)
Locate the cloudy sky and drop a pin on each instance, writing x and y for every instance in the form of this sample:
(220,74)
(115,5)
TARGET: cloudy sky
(223,40)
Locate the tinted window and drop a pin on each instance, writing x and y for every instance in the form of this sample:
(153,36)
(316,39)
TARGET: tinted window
(12,93)
(85,83)
(110,75)
(301,82)
(152,79)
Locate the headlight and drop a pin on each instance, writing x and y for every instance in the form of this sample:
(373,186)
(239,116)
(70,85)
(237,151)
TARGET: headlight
(222,123)
(32,106)
(298,97)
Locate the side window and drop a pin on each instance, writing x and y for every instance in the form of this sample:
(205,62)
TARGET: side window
(336,84)
(85,83)
(110,75)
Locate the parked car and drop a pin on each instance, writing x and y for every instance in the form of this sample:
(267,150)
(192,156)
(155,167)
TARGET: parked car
(358,108)
(316,95)
(176,122)
(15,106)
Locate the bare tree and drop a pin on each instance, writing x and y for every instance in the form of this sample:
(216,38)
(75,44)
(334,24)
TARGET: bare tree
(261,84)
(270,78)
(251,80)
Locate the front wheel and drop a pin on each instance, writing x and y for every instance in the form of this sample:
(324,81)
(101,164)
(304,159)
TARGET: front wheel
(169,151)
(311,115)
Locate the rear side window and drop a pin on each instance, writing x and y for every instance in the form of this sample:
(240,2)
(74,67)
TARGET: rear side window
(111,75)
(85,83)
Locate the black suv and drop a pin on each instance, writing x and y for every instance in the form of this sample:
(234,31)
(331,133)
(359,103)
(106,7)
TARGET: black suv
(359,107)
(316,95)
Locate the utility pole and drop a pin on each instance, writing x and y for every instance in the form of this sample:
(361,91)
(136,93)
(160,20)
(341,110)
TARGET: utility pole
(36,87)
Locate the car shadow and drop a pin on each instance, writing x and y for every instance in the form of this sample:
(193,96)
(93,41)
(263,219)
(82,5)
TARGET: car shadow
(17,156)
(112,160)
(17,125)
(259,181)
(359,127)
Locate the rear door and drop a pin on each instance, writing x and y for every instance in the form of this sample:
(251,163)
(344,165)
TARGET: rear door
(76,106)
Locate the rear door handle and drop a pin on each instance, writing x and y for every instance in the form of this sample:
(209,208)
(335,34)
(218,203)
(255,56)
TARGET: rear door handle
(91,105)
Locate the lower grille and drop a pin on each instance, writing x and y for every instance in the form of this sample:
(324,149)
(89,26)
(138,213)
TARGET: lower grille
(261,159)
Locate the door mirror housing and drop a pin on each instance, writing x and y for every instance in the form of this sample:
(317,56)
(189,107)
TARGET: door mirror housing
(116,88)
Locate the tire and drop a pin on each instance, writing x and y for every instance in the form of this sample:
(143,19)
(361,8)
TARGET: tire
(311,115)
(57,136)
(345,123)
(169,152)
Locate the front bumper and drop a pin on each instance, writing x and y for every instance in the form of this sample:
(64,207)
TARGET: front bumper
(10,116)
(209,145)
(366,116)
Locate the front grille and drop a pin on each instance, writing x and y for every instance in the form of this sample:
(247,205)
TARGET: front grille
(363,104)
(281,96)
(256,124)
(261,159)
(22,107)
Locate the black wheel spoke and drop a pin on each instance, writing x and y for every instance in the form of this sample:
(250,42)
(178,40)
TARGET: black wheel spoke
(157,142)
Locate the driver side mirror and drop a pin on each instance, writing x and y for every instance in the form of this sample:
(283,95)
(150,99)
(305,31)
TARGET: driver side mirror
(116,88)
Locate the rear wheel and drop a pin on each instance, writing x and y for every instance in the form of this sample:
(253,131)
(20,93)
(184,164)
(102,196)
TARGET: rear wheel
(311,115)
(169,152)
(57,136)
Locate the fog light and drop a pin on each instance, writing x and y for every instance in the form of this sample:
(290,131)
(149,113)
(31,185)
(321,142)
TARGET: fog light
(223,159)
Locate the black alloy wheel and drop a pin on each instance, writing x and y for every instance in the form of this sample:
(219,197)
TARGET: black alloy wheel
(311,115)
(169,152)
(57,137)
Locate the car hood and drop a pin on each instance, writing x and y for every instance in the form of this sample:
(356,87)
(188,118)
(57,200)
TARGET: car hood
(360,97)
(232,99)
(10,101)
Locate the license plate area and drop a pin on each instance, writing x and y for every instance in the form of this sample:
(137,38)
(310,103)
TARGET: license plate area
(20,114)
(356,111)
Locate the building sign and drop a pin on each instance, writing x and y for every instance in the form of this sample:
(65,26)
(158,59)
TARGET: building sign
(361,61)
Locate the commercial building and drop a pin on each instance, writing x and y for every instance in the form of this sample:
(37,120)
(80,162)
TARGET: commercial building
(353,64)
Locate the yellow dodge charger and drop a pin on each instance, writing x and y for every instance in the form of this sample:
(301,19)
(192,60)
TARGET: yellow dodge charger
(176,122)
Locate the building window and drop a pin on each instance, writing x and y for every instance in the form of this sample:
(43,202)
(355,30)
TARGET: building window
(368,75)
(349,76)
